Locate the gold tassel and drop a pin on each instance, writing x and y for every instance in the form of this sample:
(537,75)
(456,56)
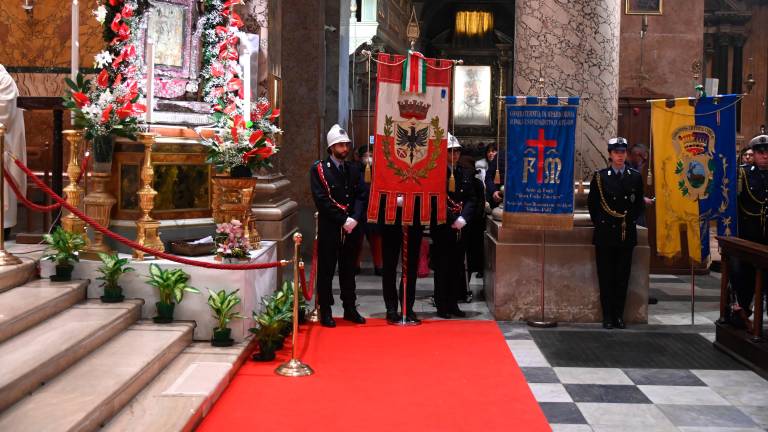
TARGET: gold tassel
(451,184)
(368,173)
(497,178)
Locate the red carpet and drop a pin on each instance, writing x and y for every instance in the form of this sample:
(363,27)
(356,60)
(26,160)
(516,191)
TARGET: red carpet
(440,376)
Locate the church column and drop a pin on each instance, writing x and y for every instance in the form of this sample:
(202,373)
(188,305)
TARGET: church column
(574,46)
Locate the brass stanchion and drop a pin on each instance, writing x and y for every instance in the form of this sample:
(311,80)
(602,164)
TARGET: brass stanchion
(314,316)
(73,192)
(294,367)
(147,228)
(6,258)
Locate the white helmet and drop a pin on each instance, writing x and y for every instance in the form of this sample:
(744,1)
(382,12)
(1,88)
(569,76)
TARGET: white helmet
(337,135)
(453,142)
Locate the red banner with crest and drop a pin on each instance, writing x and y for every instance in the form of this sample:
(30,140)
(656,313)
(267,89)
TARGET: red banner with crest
(411,135)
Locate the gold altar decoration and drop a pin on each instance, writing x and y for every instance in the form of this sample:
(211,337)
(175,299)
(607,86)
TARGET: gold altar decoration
(6,258)
(147,228)
(98,205)
(73,193)
(232,198)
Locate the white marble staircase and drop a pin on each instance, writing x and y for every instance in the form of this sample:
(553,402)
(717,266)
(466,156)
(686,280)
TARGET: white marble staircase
(68,363)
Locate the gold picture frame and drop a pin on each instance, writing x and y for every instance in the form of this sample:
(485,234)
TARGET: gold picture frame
(644,7)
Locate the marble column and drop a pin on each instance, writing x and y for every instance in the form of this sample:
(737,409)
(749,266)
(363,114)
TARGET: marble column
(574,46)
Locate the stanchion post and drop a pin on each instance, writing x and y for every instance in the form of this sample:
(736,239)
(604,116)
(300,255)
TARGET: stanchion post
(314,316)
(147,229)
(294,367)
(6,258)
(73,192)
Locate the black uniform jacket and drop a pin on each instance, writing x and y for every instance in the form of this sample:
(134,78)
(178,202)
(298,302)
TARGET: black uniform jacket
(622,193)
(464,195)
(753,198)
(348,190)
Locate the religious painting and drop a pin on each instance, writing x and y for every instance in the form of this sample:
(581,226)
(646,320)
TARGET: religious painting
(643,7)
(472,96)
(178,186)
(166,28)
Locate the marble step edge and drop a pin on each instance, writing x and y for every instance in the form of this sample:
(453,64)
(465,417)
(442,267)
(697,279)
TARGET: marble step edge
(149,410)
(60,297)
(63,357)
(95,410)
(16,275)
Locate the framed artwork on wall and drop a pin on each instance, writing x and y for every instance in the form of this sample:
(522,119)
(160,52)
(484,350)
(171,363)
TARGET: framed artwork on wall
(643,7)
(472,96)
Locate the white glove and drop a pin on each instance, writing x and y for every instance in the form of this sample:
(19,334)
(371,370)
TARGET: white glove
(459,223)
(349,225)
(400,200)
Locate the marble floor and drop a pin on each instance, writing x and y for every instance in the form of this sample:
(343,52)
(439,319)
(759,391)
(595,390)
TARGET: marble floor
(615,399)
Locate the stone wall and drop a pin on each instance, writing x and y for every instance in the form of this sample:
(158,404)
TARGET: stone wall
(574,46)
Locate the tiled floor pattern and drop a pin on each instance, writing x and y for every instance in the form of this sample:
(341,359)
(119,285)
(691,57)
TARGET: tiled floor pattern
(610,399)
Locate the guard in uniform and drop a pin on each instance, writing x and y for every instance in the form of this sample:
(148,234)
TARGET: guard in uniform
(340,196)
(448,238)
(753,206)
(615,202)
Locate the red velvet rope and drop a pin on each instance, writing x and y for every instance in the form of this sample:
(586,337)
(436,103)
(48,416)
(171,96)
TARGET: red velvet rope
(23,199)
(133,244)
(303,280)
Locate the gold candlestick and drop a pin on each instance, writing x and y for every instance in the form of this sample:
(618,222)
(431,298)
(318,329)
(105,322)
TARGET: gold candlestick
(73,193)
(147,228)
(6,258)
(98,205)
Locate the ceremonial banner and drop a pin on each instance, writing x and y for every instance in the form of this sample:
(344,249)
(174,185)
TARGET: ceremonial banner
(541,137)
(409,152)
(694,171)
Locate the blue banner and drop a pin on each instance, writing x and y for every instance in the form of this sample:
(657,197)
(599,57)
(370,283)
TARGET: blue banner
(538,193)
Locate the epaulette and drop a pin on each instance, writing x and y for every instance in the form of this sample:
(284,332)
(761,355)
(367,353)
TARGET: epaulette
(630,169)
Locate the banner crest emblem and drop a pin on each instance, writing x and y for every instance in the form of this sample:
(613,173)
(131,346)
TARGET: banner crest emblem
(695,168)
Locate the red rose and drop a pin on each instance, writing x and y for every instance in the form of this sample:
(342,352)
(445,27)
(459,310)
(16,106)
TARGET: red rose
(127,12)
(124,33)
(80,99)
(106,113)
(103,79)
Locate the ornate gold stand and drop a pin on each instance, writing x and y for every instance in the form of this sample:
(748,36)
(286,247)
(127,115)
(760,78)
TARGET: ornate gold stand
(294,367)
(98,205)
(232,198)
(73,193)
(6,258)
(147,228)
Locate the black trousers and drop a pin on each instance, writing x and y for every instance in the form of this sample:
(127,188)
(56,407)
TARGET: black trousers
(334,248)
(475,244)
(743,281)
(391,245)
(613,269)
(448,261)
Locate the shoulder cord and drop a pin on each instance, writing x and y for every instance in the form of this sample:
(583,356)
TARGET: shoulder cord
(321,174)
(762,204)
(454,206)
(609,210)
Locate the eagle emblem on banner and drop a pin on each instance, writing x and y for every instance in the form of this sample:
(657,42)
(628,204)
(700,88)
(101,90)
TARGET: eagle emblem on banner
(414,141)
(695,168)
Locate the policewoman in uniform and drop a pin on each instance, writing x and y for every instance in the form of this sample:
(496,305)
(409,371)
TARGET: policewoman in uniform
(615,202)
(448,238)
(340,196)
(753,206)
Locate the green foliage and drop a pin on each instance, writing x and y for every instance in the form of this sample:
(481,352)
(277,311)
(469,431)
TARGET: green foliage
(64,246)
(112,267)
(277,314)
(171,283)
(221,304)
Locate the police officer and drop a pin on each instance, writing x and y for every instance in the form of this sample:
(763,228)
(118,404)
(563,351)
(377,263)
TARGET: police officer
(340,197)
(753,203)
(615,202)
(448,242)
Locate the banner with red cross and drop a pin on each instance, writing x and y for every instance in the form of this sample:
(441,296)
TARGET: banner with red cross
(411,135)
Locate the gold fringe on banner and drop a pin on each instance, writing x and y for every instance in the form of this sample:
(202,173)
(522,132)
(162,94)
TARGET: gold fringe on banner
(497,177)
(451,184)
(367,173)
(542,222)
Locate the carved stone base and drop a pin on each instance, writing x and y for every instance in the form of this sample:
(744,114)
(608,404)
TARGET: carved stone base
(98,205)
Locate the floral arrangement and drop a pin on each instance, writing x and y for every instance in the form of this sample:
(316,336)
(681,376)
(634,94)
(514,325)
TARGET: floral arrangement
(109,106)
(231,241)
(240,142)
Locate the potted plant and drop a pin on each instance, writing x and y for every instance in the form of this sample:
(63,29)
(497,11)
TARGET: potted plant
(222,304)
(269,327)
(231,244)
(112,267)
(65,247)
(171,284)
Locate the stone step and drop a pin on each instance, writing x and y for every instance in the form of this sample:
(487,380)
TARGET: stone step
(18,274)
(179,398)
(36,301)
(89,393)
(45,350)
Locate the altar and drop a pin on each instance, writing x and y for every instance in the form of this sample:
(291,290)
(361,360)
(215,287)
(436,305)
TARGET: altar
(253,286)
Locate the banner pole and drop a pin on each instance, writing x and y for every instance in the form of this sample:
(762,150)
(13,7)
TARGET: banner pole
(404,280)
(693,289)
(543,323)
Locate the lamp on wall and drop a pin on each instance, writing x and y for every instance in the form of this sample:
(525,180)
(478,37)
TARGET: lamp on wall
(750,81)
(28,6)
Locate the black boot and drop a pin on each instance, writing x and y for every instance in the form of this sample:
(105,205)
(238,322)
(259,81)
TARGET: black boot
(393,317)
(351,314)
(326,318)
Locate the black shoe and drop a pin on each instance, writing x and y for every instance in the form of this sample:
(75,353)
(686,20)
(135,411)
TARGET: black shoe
(326,320)
(412,318)
(458,312)
(377,271)
(607,325)
(354,316)
(393,317)
(444,315)
(619,323)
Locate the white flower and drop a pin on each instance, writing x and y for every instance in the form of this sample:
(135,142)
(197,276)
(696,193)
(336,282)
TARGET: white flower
(92,111)
(105,99)
(102,59)
(101,14)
